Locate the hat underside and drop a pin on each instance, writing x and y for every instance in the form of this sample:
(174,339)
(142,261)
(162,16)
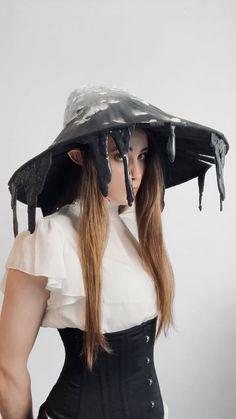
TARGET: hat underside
(32,182)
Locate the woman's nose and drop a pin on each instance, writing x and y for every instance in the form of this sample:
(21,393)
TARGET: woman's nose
(134,170)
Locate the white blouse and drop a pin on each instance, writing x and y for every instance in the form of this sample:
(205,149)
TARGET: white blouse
(128,292)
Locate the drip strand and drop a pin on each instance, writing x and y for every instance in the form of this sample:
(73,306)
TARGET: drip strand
(170,146)
(219,148)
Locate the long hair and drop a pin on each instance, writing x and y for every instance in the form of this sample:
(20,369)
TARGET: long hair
(93,233)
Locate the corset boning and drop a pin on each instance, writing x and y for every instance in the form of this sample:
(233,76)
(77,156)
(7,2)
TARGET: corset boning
(122,385)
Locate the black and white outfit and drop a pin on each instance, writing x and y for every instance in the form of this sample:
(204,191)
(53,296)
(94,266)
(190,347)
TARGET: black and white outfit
(124,384)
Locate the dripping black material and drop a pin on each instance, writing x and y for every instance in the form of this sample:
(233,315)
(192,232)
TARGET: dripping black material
(92,114)
(122,385)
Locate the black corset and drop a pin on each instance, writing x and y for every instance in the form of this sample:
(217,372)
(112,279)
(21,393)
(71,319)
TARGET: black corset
(122,385)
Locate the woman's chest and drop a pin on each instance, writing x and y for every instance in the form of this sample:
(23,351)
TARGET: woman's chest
(124,277)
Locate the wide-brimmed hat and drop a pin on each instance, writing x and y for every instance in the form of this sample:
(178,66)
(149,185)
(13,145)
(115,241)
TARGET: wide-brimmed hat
(93,113)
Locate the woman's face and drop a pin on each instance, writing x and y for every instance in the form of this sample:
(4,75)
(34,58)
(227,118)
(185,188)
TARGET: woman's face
(138,149)
(137,155)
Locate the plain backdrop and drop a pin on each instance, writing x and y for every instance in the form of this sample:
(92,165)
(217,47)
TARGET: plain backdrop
(180,56)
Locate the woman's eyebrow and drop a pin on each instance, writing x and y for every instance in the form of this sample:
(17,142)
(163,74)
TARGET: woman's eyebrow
(130,148)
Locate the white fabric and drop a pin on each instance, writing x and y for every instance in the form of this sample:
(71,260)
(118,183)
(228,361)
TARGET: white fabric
(128,292)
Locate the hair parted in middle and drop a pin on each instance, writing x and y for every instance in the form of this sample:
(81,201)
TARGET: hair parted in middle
(93,230)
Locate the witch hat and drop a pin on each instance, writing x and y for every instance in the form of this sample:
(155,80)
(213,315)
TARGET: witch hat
(93,113)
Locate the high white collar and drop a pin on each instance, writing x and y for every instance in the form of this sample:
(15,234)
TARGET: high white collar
(112,206)
(127,216)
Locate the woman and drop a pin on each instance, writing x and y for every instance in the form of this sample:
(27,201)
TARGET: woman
(104,279)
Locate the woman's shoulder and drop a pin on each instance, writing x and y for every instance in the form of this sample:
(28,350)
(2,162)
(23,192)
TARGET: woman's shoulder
(51,230)
(64,222)
(51,251)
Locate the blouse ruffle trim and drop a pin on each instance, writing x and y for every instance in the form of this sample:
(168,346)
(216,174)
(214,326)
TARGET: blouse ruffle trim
(46,253)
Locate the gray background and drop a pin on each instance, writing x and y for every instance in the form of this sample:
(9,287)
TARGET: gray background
(180,56)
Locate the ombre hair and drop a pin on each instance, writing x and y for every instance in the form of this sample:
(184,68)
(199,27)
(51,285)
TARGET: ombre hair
(93,227)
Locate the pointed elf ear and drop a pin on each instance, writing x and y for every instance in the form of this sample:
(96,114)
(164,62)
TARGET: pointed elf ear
(76,156)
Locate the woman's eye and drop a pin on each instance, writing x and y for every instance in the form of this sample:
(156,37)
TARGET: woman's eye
(143,154)
(119,157)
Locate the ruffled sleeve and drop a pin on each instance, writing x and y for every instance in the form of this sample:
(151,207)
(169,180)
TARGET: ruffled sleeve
(46,252)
